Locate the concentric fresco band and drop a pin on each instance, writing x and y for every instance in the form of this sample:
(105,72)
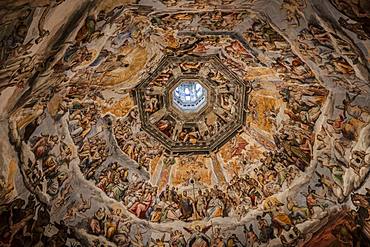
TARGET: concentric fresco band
(176,123)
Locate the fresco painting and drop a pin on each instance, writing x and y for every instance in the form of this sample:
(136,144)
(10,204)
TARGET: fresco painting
(96,151)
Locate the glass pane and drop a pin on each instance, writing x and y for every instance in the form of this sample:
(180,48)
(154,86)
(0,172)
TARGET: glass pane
(189,96)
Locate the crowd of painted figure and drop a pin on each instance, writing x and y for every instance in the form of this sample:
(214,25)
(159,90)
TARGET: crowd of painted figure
(134,142)
(234,199)
(26,223)
(226,104)
(243,192)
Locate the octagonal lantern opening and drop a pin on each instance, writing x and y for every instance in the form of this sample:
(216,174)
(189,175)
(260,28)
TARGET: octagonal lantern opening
(189,96)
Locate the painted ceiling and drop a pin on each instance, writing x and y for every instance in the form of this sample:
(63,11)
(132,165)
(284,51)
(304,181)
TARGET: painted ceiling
(96,149)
